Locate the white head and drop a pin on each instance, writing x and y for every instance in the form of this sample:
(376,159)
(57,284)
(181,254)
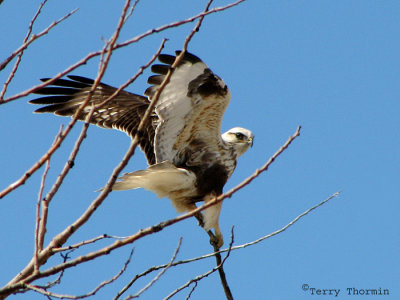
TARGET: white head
(240,138)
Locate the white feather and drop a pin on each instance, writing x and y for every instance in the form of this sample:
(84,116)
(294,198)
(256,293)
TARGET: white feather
(173,109)
(162,179)
(211,218)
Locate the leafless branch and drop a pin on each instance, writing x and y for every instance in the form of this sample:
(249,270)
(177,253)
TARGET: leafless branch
(38,205)
(200,277)
(287,225)
(164,268)
(117,46)
(32,39)
(192,291)
(218,258)
(179,23)
(137,276)
(57,144)
(93,292)
(155,279)
(129,14)
(86,242)
(15,68)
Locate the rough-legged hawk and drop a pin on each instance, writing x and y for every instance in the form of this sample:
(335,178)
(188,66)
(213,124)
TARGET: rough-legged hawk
(190,161)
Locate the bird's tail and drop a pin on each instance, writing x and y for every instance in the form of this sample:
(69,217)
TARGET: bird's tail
(162,179)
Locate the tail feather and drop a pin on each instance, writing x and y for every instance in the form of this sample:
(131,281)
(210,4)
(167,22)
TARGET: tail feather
(162,179)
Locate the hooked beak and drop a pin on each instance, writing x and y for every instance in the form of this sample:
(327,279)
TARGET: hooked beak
(250,141)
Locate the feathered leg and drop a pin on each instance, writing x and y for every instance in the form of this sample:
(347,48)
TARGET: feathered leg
(211,220)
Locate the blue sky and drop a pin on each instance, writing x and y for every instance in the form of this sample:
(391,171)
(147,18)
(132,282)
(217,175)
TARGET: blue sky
(331,66)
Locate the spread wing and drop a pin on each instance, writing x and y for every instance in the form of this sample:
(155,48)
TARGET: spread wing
(124,112)
(190,109)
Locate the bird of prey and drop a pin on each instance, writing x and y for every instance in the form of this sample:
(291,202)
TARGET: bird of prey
(189,160)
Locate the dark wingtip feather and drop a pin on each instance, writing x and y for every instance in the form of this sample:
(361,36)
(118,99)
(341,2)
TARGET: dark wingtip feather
(50,100)
(67,83)
(169,59)
(81,79)
(45,109)
(155,79)
(160,69)
(56,91)
(189,57)
(58,109)
(150,91)
(166,59)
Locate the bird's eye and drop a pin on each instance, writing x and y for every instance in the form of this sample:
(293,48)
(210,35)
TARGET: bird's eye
(239,136)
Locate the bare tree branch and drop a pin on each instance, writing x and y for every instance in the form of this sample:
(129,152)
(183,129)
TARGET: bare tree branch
(32,39)
(155,279)
(38,218)
(92,293)
(192,290)
(155,268)
(86,242)
(15,68)
(58,143)
(200,277)
(117,46)
(129,14)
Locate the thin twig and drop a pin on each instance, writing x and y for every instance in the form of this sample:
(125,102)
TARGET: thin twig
(155,279)
(50,284)
(54,147)
(86,242)
(38,205)
(263,237)
(19,58)
(287,225)
(200,277)
(89,294)
(38,164)
(165,266)
(129,14)
(117,46)
(32,39)
(191,291)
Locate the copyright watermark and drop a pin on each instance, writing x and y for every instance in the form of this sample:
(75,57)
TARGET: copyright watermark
(350,291)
